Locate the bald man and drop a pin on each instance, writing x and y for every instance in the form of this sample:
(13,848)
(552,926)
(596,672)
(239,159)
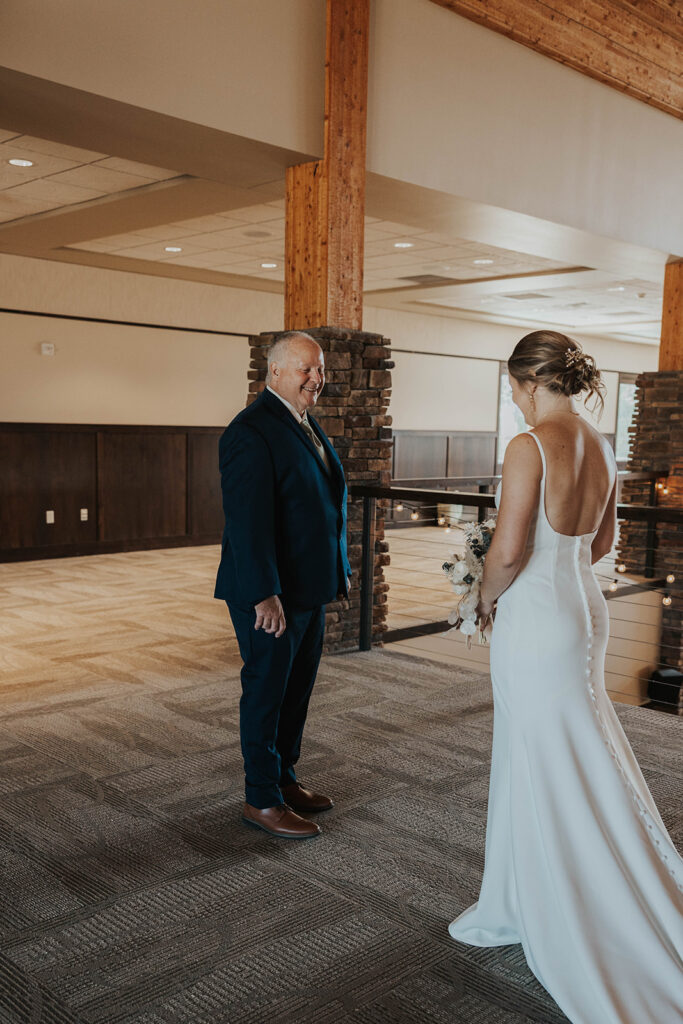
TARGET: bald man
(283,559)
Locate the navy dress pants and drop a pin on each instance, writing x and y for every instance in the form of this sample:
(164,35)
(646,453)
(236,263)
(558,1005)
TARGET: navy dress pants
(277,679)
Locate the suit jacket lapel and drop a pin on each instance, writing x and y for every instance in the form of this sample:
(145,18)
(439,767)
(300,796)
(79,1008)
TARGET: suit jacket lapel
(336,470)
(276,406)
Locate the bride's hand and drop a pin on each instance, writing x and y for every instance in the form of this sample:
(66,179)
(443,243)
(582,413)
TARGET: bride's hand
(485,614)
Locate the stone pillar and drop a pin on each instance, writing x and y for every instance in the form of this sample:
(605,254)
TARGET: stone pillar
(352,411)
(657,447)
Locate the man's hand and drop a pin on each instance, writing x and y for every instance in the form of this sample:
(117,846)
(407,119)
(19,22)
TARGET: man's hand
(270,615)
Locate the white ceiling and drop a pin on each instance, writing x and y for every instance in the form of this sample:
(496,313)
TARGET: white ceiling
(406,266)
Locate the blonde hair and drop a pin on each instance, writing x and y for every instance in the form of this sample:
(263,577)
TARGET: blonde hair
(559,364)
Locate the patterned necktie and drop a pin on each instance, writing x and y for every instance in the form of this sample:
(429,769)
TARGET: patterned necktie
(309,431)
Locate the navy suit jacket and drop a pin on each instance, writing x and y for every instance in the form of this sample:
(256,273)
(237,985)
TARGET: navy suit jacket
(285,515)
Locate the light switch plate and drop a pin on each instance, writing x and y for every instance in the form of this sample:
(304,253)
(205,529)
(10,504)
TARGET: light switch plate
(49,516)
(84,515)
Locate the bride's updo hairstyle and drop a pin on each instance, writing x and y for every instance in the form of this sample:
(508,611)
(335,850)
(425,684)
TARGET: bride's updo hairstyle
(559,364)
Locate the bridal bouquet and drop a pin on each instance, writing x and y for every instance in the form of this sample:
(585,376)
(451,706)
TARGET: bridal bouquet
(465,573)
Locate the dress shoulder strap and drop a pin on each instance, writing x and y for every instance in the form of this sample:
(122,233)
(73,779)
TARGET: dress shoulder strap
(540,448)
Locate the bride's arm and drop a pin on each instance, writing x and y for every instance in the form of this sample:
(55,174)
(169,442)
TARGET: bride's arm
(522,471)
(604,538)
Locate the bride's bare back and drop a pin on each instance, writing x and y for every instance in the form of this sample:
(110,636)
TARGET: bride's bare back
(580,474)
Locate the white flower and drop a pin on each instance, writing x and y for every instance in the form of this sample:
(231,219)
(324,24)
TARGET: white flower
(468,627)
(453,617)
(459,570)
(461,588)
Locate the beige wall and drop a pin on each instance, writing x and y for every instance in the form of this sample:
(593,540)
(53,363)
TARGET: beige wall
(442,393)
(251,67)
(456,107)
(110,373)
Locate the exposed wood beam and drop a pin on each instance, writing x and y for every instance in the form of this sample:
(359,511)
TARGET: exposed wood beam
(632,46)
(671,345)
(326,199)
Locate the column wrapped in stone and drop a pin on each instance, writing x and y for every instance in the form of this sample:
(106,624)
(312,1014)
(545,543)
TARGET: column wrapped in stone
(656,446)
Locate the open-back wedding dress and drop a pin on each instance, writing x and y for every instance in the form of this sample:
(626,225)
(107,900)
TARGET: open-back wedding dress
(579,866)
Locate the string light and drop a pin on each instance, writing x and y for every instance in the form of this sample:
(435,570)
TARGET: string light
(399,507)
(441,521)
(671,578)
(666,600)
(621,568)
(613,585)
(414,515)
(665,490)
(660,486)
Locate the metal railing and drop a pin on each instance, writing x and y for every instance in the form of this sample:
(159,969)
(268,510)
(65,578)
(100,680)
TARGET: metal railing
(429,501)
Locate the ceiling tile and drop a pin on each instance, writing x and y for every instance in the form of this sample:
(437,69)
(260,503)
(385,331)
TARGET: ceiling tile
(13,208)
(71,153)
(255,214)
(204,259)
(262,250)
(197,225)
(166,232)
(153,250)
(114,163)
(99,178)
(47,188)
(115,242)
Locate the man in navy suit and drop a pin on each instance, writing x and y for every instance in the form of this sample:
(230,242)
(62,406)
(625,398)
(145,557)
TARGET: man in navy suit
(283,558)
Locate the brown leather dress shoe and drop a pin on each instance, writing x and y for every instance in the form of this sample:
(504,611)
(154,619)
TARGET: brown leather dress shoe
(280,821)
(300,799)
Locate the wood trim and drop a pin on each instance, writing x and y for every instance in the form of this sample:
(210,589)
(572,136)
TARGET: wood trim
(325,199)
(105,547)
(671,344)
(346,97)
(118,428)
(306,247)
(629,45)
(123,323)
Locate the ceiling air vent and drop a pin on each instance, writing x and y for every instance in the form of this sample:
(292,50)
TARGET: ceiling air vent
(527,295)
(427,279)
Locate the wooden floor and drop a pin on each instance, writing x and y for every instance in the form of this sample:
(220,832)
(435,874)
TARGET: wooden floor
(71,623)
(67,623)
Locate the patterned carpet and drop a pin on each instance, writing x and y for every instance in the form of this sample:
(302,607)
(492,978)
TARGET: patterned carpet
(133,895)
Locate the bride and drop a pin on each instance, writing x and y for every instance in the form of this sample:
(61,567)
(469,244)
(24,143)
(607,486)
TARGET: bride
(579,867)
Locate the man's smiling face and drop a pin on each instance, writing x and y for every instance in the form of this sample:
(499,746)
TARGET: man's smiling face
(300,376)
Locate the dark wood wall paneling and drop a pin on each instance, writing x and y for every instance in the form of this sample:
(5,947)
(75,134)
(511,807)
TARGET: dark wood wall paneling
(430,454)
(431,458)
(143,487)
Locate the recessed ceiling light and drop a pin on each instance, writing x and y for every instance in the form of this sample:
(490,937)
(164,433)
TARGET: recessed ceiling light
(484,262)
(172,248)
(269,266)
(618,288)
(403,245)
(20,163)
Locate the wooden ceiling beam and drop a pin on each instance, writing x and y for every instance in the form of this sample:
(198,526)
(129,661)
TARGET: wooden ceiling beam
(671,344)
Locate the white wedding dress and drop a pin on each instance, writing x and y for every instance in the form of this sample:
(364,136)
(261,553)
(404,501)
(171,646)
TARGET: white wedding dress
(579,866)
